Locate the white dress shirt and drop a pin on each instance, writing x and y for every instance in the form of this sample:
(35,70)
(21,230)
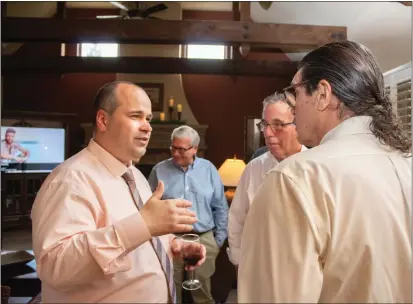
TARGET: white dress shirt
(248,186)
(332,225)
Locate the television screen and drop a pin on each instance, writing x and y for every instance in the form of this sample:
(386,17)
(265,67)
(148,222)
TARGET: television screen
(27,145)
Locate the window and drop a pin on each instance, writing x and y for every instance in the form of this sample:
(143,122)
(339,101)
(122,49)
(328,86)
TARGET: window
(404,104)
(99,49)
(196,51)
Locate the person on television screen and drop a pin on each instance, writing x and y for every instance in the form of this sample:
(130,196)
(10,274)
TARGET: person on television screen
(12,151)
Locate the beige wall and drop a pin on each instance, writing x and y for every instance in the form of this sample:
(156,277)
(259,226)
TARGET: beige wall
(27,9)
(172,82)
(384,27)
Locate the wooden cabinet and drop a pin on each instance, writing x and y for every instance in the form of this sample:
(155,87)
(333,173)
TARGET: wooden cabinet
(18,192)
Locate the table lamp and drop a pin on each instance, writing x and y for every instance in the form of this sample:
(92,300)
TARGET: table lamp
(230,173)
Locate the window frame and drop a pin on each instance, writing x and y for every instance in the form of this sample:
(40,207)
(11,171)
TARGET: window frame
(228,51)
(79,49)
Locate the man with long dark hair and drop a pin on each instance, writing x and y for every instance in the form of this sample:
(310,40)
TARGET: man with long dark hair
(334,224)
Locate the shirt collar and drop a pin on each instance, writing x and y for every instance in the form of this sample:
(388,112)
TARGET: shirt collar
(350,126)
(196,162)
(108,160)
(273,158)
(192,166)
(276,161)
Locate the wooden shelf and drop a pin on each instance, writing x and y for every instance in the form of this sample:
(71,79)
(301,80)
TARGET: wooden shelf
(18,194)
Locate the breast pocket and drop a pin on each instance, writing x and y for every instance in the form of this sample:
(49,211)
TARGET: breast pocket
(173,189)
(203,203)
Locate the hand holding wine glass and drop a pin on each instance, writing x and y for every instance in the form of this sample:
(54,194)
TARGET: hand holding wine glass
(193,255)
(176,251)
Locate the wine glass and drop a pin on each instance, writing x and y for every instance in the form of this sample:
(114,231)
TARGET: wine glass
(191,254)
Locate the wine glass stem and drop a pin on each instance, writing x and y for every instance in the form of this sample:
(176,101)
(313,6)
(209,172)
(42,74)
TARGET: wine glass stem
(191,275)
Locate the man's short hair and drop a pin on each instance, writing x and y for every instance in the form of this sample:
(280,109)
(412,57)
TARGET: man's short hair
(186,131)
(272,99)
(106,98)
(10,130)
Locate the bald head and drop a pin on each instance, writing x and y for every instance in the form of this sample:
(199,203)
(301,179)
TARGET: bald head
(122,122)
(107,97)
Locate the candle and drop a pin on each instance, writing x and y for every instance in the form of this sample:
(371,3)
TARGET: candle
(162,116)
(179,108)
(171,101)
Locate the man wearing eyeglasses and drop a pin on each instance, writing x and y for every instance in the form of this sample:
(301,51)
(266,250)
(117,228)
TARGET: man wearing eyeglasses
(195,179)
(280,135)
(333,224)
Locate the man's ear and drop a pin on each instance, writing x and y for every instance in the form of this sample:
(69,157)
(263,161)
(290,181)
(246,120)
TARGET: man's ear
(324,94)
(101,120)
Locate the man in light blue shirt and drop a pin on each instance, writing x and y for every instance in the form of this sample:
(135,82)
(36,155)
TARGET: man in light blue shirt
(195,179)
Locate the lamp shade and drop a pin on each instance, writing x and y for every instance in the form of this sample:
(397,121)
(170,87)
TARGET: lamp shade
(231,171)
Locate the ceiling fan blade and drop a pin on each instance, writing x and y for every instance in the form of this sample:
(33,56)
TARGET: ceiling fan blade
(119,5)
(265,5)
(109,17)
(134,13)
(153,9)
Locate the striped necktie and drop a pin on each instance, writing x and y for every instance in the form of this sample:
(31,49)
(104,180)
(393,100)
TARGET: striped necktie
(156,242)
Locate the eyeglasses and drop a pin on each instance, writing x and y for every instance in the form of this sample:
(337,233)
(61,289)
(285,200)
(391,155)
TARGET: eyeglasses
(276,126)
(289,93)
(180,150)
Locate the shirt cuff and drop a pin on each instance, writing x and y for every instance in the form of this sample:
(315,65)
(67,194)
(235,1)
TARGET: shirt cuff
(220,237)
(219,242)
(132,231)
(233,255)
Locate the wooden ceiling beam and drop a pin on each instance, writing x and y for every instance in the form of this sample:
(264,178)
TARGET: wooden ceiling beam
(61,10)
(146,65)
(167,32)
(3,9)
(245,10)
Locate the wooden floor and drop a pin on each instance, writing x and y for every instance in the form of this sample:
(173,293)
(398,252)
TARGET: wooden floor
(232,297)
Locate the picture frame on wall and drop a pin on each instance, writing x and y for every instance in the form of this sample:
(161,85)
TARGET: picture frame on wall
(253,138)
(155,92)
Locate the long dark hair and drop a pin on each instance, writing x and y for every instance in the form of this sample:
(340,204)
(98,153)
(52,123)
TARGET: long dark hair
(357,81)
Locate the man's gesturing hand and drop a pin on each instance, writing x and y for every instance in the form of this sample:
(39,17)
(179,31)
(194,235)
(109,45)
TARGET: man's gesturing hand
(167,216)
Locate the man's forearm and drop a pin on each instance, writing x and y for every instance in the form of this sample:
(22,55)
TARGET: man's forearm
(7,156)
(91,255)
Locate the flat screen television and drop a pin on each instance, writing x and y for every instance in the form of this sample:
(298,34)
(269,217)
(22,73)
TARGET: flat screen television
(32,149)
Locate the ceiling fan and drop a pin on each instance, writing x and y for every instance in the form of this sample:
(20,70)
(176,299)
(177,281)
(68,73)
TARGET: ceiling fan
(134,12)
(265,5)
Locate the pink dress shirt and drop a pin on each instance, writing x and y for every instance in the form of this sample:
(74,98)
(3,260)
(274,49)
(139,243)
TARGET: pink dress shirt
(90,242)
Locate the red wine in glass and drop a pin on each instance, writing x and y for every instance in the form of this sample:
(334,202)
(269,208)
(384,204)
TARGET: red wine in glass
(190,257)
(191,260)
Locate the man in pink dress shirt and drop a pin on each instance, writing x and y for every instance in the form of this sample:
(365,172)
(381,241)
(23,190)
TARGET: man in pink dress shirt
(91,242)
